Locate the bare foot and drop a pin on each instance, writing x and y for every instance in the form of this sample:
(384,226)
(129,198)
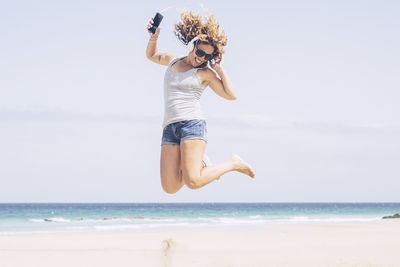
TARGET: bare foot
(242,166)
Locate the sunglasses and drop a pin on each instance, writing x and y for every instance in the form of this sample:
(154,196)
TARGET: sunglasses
(201,53)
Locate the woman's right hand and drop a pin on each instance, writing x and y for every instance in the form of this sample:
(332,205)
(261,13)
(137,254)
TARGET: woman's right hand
(157,33)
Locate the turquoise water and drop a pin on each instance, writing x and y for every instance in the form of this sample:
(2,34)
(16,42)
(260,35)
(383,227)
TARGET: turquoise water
(24,218)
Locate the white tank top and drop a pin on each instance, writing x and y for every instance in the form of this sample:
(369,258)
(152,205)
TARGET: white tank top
(182,92)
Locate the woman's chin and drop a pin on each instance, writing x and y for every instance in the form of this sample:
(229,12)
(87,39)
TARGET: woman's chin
(197,63)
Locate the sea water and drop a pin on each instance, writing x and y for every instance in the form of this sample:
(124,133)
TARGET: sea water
(36,218)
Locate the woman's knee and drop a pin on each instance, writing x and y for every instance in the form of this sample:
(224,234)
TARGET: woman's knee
(192,181)
(171,188)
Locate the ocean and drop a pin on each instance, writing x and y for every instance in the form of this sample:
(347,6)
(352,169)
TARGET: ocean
(39,218)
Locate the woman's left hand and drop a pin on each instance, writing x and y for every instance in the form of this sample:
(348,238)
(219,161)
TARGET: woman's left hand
(216,63)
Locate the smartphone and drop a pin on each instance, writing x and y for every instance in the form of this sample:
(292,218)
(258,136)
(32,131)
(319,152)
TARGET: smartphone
(156,22)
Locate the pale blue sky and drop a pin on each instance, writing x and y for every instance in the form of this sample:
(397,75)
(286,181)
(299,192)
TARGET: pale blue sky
(317,115)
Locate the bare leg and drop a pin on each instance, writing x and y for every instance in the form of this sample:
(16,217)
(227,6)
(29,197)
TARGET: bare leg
(195,176)
(170,171)
(207,163)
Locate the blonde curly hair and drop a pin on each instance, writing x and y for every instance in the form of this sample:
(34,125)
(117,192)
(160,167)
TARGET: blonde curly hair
(206,28)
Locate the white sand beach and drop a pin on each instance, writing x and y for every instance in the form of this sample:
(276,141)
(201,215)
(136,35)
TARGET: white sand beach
(324,244)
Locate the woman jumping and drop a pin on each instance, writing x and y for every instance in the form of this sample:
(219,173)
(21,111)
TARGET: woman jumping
(184,139)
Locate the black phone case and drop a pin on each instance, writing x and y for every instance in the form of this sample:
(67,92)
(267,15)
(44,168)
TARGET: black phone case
(156,22)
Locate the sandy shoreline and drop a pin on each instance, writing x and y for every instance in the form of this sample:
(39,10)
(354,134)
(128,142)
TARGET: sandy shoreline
(340,244)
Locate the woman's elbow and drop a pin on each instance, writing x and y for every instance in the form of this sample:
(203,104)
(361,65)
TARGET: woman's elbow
(149,55)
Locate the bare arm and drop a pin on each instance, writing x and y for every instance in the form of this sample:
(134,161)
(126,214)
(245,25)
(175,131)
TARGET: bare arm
(151,51)
(221,85)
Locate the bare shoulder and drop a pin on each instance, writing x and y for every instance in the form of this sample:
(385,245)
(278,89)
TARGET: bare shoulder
(168,57)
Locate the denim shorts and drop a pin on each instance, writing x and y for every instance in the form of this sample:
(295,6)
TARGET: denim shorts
(176,132)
